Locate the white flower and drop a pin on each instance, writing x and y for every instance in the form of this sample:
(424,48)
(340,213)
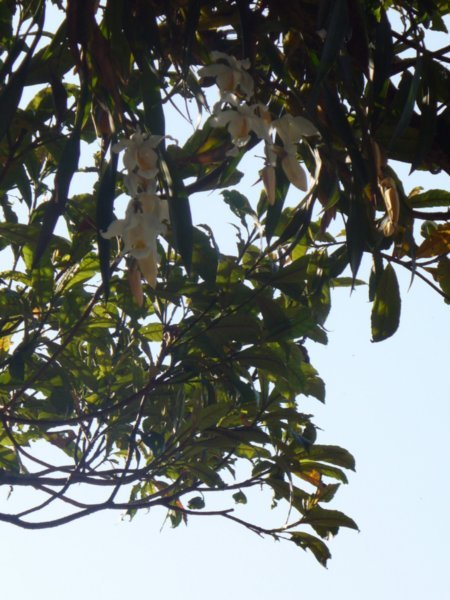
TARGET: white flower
(148,266)
(292,129)
(140,156)
(294,172)
(289,163)
(230,74)
(136,184)
(144,220)
(240,122)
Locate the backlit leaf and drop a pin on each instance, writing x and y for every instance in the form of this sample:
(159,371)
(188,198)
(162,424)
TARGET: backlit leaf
(386,306)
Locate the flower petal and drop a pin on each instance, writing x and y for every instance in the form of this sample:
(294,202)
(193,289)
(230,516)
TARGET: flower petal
(148,266)
(115,229)
(292,129)
(268,177)
(294,172)
(134,281)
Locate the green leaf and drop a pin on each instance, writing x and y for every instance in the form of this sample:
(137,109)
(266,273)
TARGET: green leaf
(428,120)
(375,275)
(442,275)
(204,257)
(10,97)
(383,53)
(386,306)
(338,116)
(9,460)
(238,204)
(196,503)
(23,184)
(241,327)
(298,225)
(357,233)
(337,30)
(290,279)
(328,492)
(17,365)
(81,272)
(151,96)
(412,85)
(240,498)
(192,20)
(206,474)
(430,199)
(52,61)
(104,216)
(274,210)
(180,212)
(312,543)
(332,454)
(210,416)
(68,164)
(327,522)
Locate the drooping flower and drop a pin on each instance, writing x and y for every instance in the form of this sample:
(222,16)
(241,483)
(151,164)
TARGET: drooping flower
(144,220)
(291,130)
(140,156)
(294,172)
(231,75)
(148,266)
(136,184)
(240,122)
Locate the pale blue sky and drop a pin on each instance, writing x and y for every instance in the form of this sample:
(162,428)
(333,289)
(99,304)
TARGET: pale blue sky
(387,403)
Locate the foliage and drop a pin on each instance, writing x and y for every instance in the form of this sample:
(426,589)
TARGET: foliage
(143,393)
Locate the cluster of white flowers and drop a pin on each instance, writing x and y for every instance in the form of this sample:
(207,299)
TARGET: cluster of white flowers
(240,116)
(146,214)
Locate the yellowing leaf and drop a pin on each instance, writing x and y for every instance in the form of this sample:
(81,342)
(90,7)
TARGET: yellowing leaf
(313,477)
(438,242)
(5,343)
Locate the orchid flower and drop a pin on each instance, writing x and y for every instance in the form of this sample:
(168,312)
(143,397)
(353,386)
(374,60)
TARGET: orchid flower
(136,184)
(230,75)
(144,220)
(240,122)
(140,155)
(291,130)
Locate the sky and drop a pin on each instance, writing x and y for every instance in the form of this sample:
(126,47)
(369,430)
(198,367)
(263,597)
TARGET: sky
(387,403)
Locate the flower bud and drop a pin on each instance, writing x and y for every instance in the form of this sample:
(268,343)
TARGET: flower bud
(268,177)
(134,281)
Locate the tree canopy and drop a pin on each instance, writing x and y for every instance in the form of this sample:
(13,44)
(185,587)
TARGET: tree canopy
(141,365)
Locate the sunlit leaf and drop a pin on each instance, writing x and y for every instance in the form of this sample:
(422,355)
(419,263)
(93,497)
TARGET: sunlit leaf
(386,306)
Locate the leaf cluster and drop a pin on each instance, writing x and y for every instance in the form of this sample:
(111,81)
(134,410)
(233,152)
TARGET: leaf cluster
(199,390)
